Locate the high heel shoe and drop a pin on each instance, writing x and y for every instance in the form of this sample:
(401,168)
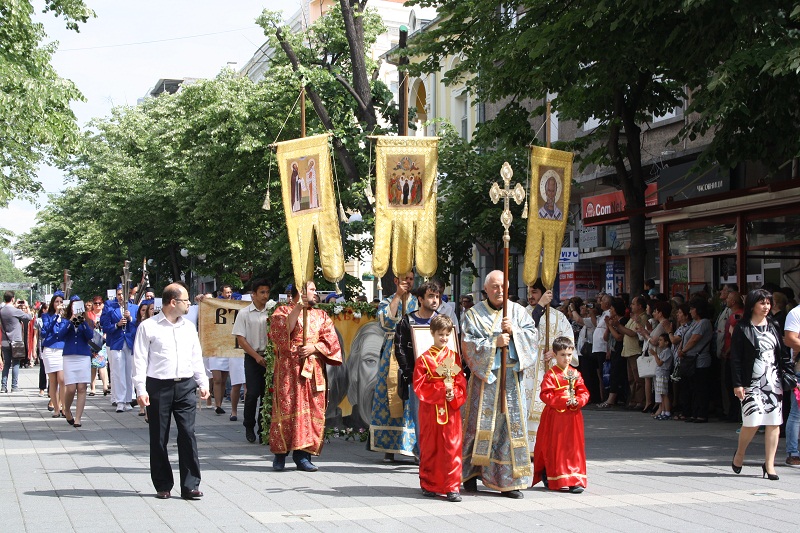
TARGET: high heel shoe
(765,474)
(736,469)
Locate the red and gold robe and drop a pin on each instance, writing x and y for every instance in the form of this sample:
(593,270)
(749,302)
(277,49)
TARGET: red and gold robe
(560,453)
(298,408)
(439,423)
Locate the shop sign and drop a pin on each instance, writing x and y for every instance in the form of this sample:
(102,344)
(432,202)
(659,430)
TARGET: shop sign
(613,202)
(680,184)
(569,255)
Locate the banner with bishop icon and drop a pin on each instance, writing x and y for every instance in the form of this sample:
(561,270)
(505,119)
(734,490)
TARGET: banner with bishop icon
(310,206)
(405,211)
(551,182)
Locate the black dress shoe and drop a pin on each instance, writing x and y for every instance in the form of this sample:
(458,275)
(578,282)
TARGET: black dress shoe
(163,495)
(513,494)
(191,494)
(250,435)
(471,485)
(453,497)
(428,493)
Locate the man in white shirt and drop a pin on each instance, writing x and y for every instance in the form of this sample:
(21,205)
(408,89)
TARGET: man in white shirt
(167,370)
(593,366)
(791,338)
(250,329)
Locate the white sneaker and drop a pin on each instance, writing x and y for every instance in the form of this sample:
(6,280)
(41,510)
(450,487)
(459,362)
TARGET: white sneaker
(127,407)
(120,408)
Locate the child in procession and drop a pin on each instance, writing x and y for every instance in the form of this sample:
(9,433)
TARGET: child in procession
(559,456)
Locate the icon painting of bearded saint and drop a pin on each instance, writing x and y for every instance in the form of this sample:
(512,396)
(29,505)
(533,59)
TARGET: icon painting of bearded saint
(550,189)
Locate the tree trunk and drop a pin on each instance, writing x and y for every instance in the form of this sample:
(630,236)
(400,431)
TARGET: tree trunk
(354,31)
(344,156)
(173,263)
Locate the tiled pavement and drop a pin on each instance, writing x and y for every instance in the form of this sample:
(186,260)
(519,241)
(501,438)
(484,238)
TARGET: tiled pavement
(643,475)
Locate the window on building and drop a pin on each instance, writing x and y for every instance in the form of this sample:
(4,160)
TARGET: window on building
(463,106)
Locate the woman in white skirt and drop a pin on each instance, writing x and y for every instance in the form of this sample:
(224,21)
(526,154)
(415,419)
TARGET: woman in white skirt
(53,326)
(221,368)
(77,362)
(758,358)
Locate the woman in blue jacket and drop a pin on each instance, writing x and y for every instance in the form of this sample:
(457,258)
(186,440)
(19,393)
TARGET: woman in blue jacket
(52,351)
(77,361)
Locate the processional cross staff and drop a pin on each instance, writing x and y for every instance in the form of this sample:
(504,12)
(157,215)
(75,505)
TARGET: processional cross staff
(506,193)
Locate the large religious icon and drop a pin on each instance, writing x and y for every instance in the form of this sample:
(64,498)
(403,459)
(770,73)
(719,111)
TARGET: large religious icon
(551,180)
(303,180)
(550,190)
(310,207)
(405,205)
(405,180)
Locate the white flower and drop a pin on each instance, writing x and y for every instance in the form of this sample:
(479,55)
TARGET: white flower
(356,314)
(271,304)
(338,309)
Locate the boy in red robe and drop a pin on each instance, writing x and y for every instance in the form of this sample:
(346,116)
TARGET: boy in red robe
(559,457)
(440,387)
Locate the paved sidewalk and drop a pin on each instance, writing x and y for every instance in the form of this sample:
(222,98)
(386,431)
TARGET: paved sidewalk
(643,475)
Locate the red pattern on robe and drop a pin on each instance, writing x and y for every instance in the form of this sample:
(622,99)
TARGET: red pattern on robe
(560,451)
(298,407)
(439,423)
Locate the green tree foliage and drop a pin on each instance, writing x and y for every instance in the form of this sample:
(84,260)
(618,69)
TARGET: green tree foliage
(752,86)
(189,170)
(37,123)
(621,62)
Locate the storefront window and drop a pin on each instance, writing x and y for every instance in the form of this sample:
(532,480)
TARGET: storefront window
(709,239)
(769,231)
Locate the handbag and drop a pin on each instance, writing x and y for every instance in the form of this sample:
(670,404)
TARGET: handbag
(96,344)
(18,350)
(646,364)
(788,381)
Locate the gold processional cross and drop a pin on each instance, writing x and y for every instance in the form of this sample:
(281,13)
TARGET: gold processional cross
(518,194)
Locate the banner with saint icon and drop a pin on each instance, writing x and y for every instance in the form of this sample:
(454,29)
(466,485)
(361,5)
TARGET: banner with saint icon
(310,207)
(551,183)
(405,211)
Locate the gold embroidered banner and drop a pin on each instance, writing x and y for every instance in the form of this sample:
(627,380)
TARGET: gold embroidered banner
(551,182)
(310,207)
(215,319)
(405,212)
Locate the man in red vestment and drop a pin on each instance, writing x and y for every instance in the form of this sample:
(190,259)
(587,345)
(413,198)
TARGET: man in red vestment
(441,388)
(298,408)
(559,458)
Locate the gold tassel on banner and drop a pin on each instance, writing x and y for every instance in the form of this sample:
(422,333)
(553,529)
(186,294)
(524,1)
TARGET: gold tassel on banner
(525,210)
(551,183)
(266,205)
(405,215)
(308,200)
(342,214)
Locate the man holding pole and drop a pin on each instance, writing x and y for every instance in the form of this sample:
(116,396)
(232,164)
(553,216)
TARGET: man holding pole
(551,324)
(495,433)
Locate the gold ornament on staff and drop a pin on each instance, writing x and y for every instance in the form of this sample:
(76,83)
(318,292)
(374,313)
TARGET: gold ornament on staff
(571,379)
(66,285)
(496,194)
(126,284)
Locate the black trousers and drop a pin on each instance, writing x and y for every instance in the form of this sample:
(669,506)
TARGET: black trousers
(588,369)
(170,398)
(254,379)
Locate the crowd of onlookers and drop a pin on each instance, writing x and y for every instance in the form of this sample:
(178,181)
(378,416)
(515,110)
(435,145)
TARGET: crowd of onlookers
(613,332)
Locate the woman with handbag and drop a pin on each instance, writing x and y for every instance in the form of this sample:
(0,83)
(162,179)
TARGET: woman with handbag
(758,362)
(77,361)
(13,345)
(99,357)
(53,351)
(694,359)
